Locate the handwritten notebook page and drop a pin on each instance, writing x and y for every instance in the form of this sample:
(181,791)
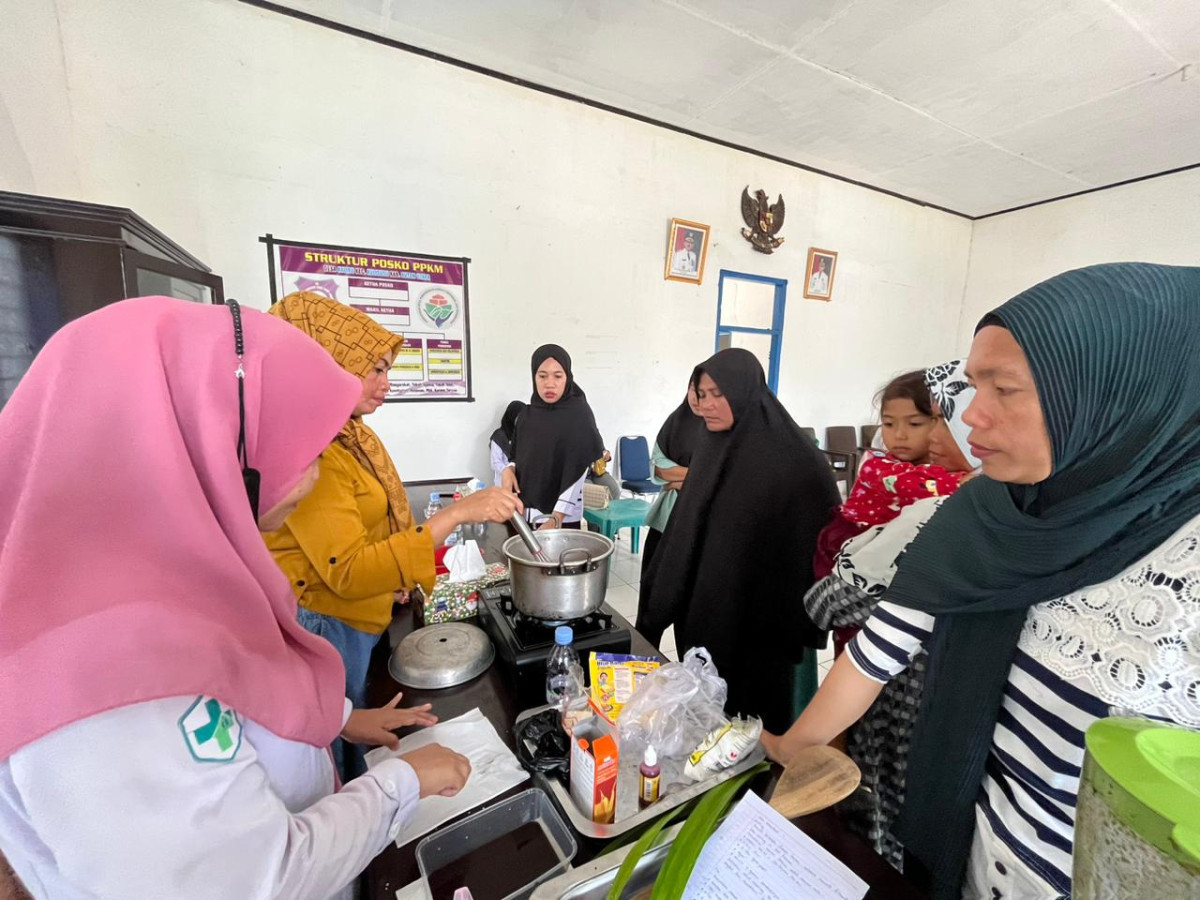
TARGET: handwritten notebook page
(757,854)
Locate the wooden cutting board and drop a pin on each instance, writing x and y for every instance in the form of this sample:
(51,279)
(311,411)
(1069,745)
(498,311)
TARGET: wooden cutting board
(813,779)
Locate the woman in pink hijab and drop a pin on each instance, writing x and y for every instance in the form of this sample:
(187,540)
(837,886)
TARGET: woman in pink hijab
(164,720)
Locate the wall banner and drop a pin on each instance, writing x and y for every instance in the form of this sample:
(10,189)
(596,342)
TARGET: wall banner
(422,298)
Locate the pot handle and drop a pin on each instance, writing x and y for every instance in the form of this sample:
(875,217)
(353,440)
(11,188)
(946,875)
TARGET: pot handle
(562,559)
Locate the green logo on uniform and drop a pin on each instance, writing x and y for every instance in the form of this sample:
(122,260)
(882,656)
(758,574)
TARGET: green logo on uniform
(213,732)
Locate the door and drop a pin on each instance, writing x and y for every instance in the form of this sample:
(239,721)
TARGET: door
(750,312)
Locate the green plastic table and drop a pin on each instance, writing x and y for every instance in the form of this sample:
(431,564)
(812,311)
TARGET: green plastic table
(617,515)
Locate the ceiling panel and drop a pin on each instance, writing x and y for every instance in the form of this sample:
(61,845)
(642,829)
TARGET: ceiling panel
(984,66)
(776,22)
(922,97)
(1107,141)
(1175,26)
(646,56)
(827,119)
(954,179)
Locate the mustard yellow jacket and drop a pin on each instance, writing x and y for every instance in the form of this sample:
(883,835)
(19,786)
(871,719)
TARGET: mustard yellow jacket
(337,551)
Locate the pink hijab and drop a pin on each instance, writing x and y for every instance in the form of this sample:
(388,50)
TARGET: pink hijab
(131,567)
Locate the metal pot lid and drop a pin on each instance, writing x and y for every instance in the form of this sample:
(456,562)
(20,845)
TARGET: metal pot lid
(441,656)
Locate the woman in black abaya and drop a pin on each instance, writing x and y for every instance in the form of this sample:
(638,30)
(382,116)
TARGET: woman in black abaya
(555,442)
(735,560)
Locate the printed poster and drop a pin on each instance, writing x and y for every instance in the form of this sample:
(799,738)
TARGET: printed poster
(421,298)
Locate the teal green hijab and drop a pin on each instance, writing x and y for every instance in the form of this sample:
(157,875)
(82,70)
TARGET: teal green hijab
(1115,354)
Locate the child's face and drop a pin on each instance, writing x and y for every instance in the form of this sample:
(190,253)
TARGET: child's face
(906,430)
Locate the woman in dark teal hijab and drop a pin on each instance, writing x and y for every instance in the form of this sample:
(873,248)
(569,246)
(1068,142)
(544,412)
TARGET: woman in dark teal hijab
(1114,352)
(1087,421)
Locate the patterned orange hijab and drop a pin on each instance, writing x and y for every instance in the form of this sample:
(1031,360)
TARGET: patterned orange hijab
(356,342)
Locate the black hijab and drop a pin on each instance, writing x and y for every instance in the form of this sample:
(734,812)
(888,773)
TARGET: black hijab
(735,560)
(1113,354)
(679,435)
(502,436)
(554,443)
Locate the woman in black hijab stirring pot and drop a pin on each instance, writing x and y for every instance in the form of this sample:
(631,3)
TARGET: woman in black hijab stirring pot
(554,443)
(736,557)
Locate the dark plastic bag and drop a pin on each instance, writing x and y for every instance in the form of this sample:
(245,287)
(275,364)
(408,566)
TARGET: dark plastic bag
(552,749)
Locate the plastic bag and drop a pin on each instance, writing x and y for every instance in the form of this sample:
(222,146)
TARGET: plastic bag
(675,707)
(551,753)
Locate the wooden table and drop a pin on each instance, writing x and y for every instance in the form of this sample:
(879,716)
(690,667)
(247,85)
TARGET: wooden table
(396,867)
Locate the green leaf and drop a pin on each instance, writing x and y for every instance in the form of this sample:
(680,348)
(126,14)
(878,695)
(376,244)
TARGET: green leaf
(629,837)
(677,869)
(645,842)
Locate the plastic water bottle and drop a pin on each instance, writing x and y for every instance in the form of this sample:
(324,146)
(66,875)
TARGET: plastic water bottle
(562,668)
(456,536)
(434,506)
(479,529)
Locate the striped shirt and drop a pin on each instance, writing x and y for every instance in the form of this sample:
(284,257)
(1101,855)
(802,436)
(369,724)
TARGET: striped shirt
(1132,643)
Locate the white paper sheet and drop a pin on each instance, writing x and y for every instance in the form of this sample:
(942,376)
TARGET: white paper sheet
(757,854)
(494,769)
(418,890)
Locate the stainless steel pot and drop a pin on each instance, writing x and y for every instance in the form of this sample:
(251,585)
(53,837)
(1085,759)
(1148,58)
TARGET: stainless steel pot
(573,582)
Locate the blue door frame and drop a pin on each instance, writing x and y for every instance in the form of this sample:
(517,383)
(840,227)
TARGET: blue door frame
(776,329)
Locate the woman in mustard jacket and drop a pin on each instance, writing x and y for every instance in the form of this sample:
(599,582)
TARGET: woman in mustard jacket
(351,548)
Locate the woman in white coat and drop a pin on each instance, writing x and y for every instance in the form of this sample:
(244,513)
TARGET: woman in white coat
(164,720)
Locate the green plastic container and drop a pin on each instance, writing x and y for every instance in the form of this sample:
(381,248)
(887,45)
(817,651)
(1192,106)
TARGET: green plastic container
(1137,824)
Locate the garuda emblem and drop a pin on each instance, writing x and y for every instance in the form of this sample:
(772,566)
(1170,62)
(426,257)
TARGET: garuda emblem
(764,220)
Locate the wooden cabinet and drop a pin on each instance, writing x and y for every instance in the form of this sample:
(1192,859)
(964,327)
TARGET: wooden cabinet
(60,259)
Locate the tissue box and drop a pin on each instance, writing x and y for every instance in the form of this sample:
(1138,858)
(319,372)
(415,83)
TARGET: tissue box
(451,602)
(594,767)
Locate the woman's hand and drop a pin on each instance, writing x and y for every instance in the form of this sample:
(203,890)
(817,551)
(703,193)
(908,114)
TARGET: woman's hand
(841,700)
(554,521)
(675,474)
(440,771)
(375,727)
(489,505)
(771,743)
(508,480)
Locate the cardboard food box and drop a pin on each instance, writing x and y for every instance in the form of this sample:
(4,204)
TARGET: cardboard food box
(594,766)
(454,601)
(614,678)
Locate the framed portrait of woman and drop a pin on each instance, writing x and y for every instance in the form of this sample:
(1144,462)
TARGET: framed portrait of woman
(687,247)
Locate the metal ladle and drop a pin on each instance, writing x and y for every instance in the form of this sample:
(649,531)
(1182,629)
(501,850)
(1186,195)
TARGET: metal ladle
(529,538)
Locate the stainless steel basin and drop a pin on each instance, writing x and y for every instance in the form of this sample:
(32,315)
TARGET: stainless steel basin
(593,880)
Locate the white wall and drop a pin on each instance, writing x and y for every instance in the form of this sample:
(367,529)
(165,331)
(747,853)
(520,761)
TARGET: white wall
(219,122)
(1151,221)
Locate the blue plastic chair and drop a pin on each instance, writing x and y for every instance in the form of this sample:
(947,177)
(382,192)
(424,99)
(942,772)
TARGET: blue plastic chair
(633,458)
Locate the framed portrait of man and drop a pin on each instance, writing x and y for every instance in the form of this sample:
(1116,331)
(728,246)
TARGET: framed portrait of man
(687,247)
(818,277)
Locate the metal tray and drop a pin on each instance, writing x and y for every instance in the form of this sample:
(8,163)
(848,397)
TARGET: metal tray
(677,790)
(593,880)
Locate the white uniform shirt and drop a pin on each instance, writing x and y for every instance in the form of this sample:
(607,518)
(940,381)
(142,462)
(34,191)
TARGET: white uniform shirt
(500,462)
(684,261)
(569,504)
(182,800)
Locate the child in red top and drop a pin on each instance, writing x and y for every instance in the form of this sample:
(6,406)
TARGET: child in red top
(889,482)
